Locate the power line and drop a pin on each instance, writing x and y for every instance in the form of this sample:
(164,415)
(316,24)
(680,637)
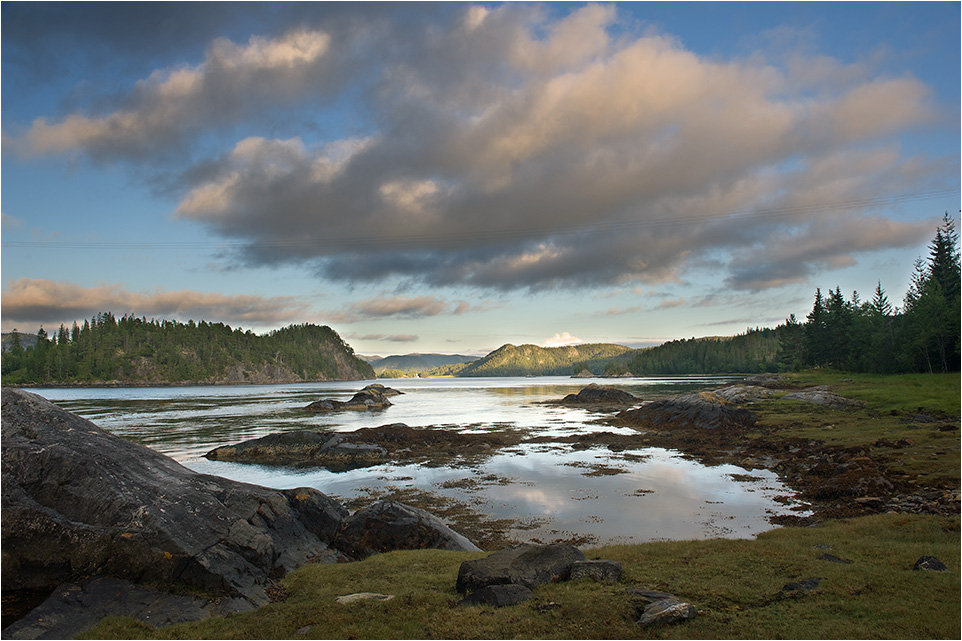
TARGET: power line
(491,235)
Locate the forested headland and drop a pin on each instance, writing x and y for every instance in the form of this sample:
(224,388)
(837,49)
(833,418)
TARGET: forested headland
(131,350)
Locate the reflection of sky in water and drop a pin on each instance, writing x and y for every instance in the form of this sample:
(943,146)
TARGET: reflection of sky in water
(663,496)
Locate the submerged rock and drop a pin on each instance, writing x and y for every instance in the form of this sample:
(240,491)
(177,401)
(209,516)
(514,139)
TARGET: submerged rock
(699,410)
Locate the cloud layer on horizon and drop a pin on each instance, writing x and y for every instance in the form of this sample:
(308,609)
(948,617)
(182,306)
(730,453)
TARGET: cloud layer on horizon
(506,149)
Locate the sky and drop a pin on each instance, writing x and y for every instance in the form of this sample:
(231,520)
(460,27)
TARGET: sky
(451,177)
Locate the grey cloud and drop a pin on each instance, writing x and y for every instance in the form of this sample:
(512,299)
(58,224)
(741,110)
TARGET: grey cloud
(33,300)
(508,149)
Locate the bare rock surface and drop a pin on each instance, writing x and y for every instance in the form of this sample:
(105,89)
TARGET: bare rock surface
(336,451)
(527,564)
(600,395)
(371,397)
(706,410)
(389,525)
(821,395)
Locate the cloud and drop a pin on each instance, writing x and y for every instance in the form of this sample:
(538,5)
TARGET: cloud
(11,222)
(562,339)
(505,148)
(391,338)
(233,81)
(42,301)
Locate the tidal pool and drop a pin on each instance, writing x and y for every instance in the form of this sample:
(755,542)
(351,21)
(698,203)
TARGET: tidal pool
(552,489)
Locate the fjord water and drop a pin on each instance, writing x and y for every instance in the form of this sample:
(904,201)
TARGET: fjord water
(556,490)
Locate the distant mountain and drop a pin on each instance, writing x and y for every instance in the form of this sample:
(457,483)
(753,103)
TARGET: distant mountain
(418,363)
(531,360)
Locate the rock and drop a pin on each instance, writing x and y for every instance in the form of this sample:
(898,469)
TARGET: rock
(389,525)
(363,596)
(78,501)
(75,607)
(370,398)
(527,564)
(745,393)
(382,390)
(498,595)
(930,563)
(700,410)
(583,374)
(597,569)
(600,395)
(831,558)
(821,396)
(765,380)
(337,452)
(804,584)
(666,611)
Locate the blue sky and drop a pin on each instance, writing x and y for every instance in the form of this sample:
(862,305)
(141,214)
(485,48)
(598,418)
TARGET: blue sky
(450,177)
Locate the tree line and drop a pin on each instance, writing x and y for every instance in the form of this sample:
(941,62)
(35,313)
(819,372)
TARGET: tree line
(136,350)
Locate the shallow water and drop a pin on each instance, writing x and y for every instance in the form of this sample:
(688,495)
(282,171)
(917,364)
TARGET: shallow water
(641,495)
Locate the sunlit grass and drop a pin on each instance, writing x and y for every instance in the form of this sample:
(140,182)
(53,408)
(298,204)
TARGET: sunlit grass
(735,584)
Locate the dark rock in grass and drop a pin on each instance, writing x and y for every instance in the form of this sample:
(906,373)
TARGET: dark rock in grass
(600,570)
(699,410)
(600,395)
(666,611)
(389,525)
(930,563)
(527,564)
(498,595)
(370,398)
(75,607)
(745,393)
(80,502)
(804,584)
(831,558)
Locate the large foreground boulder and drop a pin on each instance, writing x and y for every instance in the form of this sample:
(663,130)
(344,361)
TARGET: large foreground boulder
(78,501)
(705,410)
(526,564)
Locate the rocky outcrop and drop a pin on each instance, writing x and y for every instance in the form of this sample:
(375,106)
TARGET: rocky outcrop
(745,393)
(704,410)
(821,395)
(79,502)
(335,451)
(369,398)
(600,395)
(527,564)
(388,525)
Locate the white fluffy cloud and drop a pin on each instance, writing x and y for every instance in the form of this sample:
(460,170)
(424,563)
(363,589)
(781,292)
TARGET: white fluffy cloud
(561,339)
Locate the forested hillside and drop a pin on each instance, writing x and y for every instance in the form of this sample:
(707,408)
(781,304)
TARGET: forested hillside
(401,365)
(531,360)
(133,350)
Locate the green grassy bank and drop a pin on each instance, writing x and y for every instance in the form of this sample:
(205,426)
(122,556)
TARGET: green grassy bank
(735,584)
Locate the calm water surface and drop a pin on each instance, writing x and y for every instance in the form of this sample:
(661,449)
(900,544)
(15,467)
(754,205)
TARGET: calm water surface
(657,493)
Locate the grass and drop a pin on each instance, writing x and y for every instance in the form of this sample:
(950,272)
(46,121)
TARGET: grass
(735,584)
